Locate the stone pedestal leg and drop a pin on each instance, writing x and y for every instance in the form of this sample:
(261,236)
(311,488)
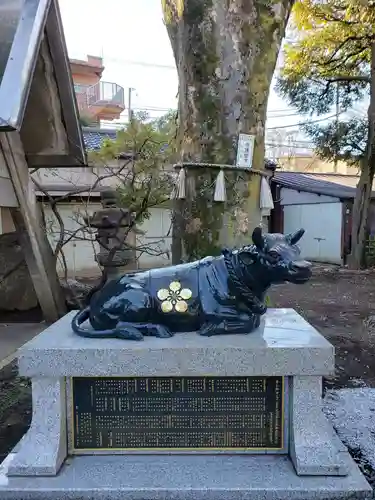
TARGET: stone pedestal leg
(43,449)
(314,447)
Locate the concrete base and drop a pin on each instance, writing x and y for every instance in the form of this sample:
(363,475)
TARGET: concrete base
(44,466)
(183,477)
(284,345)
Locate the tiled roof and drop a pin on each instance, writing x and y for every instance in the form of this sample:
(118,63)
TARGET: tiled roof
(93,137)
(336,185)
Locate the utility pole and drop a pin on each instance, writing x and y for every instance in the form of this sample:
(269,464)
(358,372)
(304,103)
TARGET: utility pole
(130,111)
(337,125)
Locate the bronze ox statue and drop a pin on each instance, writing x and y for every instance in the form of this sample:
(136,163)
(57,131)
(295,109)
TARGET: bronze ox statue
(211,296)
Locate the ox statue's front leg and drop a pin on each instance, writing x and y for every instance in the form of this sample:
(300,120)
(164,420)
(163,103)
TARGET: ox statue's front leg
(157,330)
(238,323)
(145,329)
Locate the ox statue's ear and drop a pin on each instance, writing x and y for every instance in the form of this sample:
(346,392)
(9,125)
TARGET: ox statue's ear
(257,237)
(247,257)
(295,237)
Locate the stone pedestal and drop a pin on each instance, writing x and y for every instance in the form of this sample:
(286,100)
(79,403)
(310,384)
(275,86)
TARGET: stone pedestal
(313,464)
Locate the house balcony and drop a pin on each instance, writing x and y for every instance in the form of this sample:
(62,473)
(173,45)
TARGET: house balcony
(102,101)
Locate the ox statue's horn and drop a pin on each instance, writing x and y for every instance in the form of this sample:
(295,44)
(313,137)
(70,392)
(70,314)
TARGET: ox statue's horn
(296,236)
(257,237)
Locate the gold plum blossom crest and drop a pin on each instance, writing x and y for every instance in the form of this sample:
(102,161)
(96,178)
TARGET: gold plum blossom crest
(174,298)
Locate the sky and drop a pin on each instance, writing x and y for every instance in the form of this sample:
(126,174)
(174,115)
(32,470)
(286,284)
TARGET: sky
(131,37)
(125,32)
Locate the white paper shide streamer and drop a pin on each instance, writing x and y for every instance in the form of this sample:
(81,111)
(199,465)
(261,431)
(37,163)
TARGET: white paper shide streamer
(181,184)
(179,190)
(266,201)
(220,189)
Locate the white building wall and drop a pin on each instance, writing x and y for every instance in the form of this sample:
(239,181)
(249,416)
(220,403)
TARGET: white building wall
(292,197)
(78,176)
(322,241)
(157,238)
(80,254)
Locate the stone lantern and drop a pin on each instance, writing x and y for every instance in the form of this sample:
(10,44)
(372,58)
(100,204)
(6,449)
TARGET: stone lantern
(116,236)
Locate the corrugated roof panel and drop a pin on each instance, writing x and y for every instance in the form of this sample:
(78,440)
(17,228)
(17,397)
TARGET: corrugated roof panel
(336,185)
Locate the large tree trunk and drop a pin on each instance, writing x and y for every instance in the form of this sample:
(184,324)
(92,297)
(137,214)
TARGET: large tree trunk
(360,212)
(225,52)
(362,201)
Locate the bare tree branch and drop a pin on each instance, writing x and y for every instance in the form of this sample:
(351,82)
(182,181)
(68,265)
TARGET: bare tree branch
(141,174)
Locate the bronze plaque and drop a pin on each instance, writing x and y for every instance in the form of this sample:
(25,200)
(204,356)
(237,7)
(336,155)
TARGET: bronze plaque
(179,413)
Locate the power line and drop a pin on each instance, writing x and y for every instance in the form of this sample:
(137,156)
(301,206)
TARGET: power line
(288,146)
(357,112)
(170,67)
(165,110)
(281,110)
(302,123)
(294,125)
(270,115)
(139,63)
(156,108)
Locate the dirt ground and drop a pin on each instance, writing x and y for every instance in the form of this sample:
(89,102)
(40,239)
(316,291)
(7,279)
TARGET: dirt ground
(337,303)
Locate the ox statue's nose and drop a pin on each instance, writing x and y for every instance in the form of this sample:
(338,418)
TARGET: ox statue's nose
(301,265)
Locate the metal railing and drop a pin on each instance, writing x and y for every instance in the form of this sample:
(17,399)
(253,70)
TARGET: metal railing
(106,92)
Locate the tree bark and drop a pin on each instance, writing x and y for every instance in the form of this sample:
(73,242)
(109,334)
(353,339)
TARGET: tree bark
(362,201)
(225,52)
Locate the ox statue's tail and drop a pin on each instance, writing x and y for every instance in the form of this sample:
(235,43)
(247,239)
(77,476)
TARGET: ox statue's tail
(125,331)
